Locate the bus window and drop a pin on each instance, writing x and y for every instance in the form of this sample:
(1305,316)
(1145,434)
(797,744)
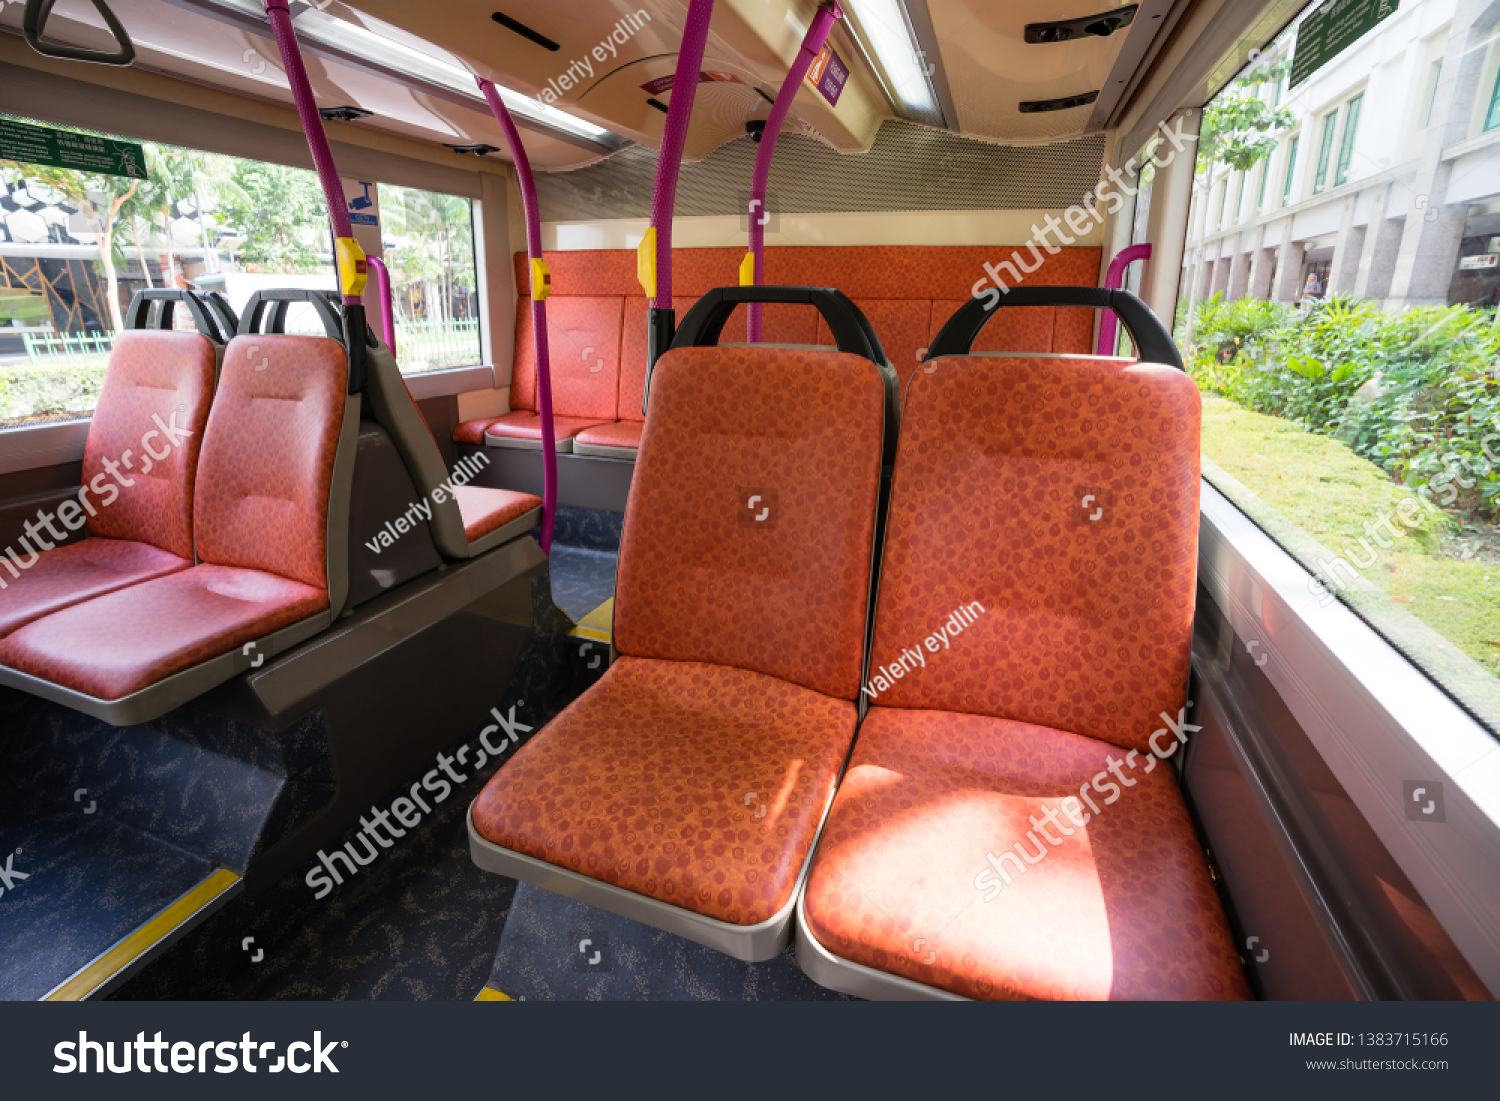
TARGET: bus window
(1345,345)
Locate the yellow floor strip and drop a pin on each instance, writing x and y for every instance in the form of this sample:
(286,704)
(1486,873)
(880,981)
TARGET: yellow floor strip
(598,624)
(490,994)
(148,936)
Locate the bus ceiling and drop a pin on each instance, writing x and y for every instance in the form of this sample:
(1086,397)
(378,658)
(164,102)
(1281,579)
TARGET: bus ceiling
(584,80)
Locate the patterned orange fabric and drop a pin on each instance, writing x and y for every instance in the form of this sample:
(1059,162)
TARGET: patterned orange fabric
(153,376)
(1061,496)
(1073,331)
(266,469)
(71,574)
(748,533)
(1013,329)
(860,271)
(634,350)
(619,434)
(1120,905)
(122,642)
(583,351)
(694,784)
(473,431)
(902,324)
(524,425)
(485,510)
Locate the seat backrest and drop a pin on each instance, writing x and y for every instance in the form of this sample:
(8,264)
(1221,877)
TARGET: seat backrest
(1041,552)
(273,478)
(583,351)
(148,427)
(750,525)
(396,411)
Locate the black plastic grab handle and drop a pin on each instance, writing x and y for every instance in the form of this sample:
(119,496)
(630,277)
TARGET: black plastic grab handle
(340,328)
(851,330)
(207,319)
(34,25)
(1152,341)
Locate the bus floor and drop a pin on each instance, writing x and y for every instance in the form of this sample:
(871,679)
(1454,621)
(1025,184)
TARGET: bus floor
(422,922)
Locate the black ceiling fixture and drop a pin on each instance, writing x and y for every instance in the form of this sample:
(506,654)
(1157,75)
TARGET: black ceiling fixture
(343,114)
(524,31)
(1066,30)
(1036,106)
(756,128)
(658,104)
(478,150)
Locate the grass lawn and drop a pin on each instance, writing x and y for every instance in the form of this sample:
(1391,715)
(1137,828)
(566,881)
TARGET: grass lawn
(1447,575)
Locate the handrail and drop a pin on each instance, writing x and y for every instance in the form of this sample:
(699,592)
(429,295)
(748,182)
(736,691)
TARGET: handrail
(383,288)
(541,287)
(812,43)
(654,259)
(353,268)
(1114,279)
(34,25)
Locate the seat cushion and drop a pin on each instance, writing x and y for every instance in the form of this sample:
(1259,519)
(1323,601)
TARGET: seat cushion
(522,425)
(698,785)
(484,509)
(620,434)
(473,431)
(120,643)
(77,572)
(1120,907)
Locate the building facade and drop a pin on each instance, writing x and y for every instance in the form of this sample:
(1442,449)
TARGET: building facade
(1387,185)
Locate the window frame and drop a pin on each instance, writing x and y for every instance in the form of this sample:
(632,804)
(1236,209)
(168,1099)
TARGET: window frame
(1325,150)
(1492,116)
(1351,108)
(1291,168)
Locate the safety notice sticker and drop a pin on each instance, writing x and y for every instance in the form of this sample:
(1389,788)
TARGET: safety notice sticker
(828,74)
(64,149)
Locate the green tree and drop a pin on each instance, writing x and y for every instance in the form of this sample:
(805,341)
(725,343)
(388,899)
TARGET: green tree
(1239,128)
(280,216)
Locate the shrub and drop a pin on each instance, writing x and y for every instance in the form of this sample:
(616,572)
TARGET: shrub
(1430,401)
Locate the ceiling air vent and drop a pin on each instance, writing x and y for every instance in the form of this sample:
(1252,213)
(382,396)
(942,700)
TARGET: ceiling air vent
(524,31)
(1100,26)
(1036,106)
(477,150)
(343,114)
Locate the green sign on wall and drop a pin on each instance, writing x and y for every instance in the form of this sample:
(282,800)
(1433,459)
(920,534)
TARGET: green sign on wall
(1325,33)
(64,149)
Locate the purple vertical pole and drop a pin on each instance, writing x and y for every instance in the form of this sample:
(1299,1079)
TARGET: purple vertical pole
(538,310)
(1114,279)
(812,43)
(312,122)
(674,138)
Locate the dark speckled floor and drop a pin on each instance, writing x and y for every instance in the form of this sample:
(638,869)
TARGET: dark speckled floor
(539,960)
(581,579)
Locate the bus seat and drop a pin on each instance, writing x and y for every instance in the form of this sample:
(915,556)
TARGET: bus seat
(139,522)
(1057,501)
(685,788)
(620,440)
(466,520)
(270,521)
(583,342)
(903,326)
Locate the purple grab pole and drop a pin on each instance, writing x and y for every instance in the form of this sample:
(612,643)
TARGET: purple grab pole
(387,316)
(674,138)
(312,122)
(538,309)
(1114,280)
(812,43)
